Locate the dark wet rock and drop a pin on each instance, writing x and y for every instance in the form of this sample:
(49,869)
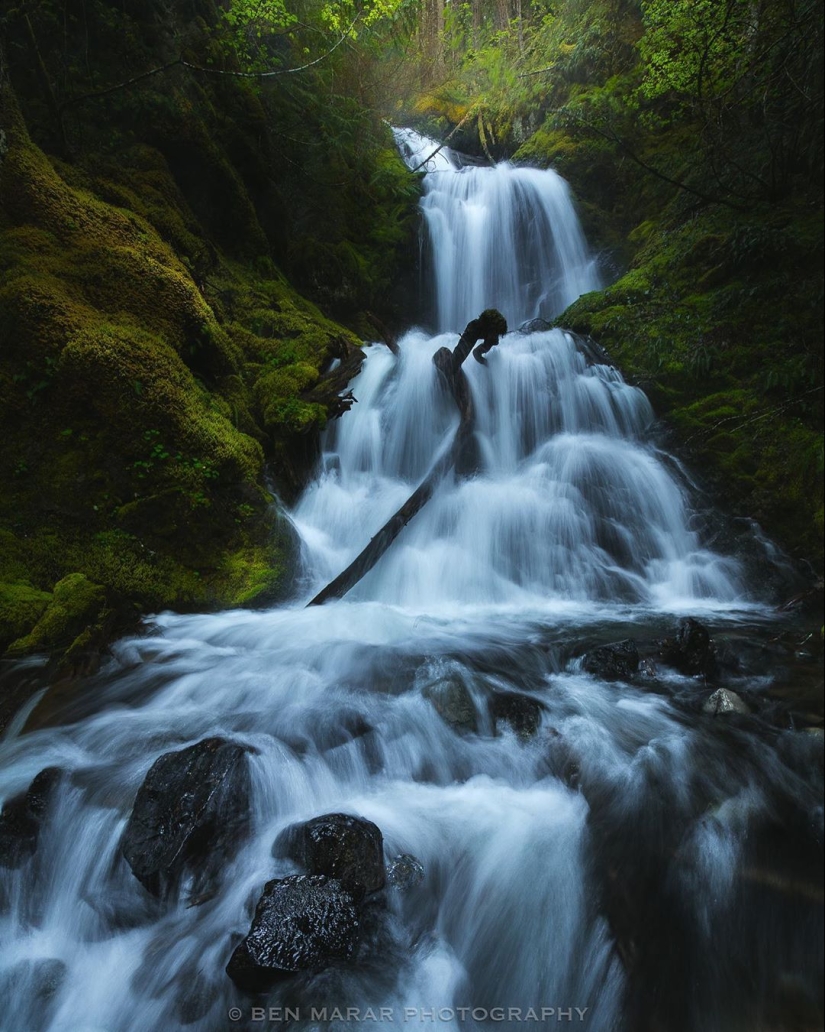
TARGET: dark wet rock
(810,600)
(618,661)
(453,702)
(190,814)
(519,712)
(535,326)
(22,818)
(301,923)
(732,660)
(724,700)
(48,979)
(343,727)
(593,352)
(405,872)
(803,751)
(38,979)
(330,729)
(563,761)
(691,651)
(338,845)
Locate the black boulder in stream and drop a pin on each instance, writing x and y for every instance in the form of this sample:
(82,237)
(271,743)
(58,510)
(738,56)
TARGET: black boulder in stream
(341,846)
(190,815)
(303,923)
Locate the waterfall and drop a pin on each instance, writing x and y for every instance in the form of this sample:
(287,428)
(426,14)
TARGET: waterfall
(571,501)
(614,862)
(502,237)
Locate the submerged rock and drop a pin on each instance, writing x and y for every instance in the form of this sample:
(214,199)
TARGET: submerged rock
(405,872)
(29,990)
(190,814)
(452,701)
(563,761)
(338,845)
(724,700)
(615,662)
(691,651)
(519,712)
(301,923)
(535,326)
(22,818)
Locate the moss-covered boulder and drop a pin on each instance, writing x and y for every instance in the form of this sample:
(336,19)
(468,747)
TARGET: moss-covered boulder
(21,606)
(76,606)
(139,406)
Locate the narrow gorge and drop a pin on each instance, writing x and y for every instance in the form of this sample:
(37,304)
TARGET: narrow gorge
(578,740)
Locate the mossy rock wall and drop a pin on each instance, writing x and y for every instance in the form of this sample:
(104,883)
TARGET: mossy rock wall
(157,367)
(720,321)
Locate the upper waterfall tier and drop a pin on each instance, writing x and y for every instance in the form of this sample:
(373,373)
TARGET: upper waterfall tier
(498,237)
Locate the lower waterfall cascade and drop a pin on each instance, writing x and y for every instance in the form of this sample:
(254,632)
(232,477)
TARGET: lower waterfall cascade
(608,851)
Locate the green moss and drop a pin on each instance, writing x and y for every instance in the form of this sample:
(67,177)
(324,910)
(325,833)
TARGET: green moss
(147,397)
(21,606)
(717,320)
(260,574)
(143,372)
(75,604)
(277,391)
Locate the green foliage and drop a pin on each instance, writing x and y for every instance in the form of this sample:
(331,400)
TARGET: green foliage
(694,48)
(253,30)
(750,80)
(258,16)
(341,14)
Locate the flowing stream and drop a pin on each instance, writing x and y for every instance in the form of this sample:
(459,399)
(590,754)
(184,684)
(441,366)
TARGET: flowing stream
(630,863)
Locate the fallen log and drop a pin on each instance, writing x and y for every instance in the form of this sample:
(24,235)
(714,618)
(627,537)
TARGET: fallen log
(487,328)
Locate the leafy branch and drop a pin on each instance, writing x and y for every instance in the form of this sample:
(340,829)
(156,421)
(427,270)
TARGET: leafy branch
(621,143)
(181,62)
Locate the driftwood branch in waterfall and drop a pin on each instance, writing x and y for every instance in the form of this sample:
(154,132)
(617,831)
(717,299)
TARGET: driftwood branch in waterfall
(385,334)
(442,145)
(328,391)
(487,328)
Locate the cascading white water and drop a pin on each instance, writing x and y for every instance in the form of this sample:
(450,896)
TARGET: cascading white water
(571,531)
(503,237)
(569,503)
